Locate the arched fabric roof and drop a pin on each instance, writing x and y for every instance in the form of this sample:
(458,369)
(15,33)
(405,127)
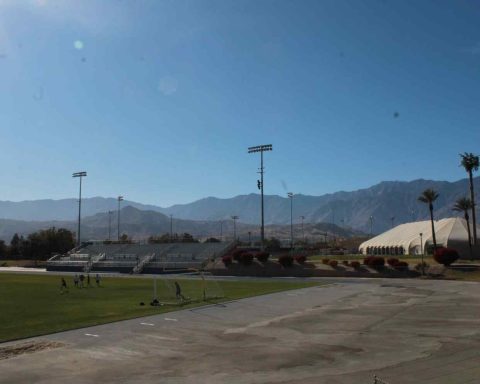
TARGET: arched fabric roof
(451,231)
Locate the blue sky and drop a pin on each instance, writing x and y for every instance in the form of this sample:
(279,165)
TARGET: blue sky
(159,100)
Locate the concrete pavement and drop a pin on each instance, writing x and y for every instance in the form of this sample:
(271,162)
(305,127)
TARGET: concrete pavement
(405,331)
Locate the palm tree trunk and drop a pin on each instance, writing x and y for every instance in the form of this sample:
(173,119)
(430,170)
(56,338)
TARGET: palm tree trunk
(469,235)
(474,218)
(433,229)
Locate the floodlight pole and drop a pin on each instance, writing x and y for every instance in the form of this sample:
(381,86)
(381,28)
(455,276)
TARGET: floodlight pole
(421,250)
(221,230)
(393,220)
(303,232)
(261,149)
(235,218)
(171,228)
(371,226)
(110,225)
(119,199)
(290,196)
(79,175)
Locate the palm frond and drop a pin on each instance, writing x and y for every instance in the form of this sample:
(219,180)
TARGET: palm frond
(469,161)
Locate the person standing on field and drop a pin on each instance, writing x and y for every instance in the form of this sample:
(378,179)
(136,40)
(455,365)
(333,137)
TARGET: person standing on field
(178,291)
(97,279)
(63,286)
(81,280)
(75,281)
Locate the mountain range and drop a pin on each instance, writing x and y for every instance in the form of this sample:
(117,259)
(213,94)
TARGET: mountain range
(352,210)
(140,224)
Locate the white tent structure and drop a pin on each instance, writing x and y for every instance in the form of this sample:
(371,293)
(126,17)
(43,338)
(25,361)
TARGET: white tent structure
(406,238)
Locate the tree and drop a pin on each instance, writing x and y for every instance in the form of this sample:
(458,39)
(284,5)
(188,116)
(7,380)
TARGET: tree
(125,239)
(464,204)
(15,245)
(471,163)
(272,244)
(212,240)
(428,196)
(3,249)
(42,244)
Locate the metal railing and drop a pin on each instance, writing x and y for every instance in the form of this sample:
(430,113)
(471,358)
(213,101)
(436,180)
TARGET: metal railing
(146,259)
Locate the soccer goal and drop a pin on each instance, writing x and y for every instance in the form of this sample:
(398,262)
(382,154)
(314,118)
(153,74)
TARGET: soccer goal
(198,287)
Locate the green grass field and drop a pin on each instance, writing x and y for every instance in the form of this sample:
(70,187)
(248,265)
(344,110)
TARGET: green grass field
(32,305)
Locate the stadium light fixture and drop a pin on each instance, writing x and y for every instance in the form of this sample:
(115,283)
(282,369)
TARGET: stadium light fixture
(234,218)
(80,175)
(261,149)
(119,200)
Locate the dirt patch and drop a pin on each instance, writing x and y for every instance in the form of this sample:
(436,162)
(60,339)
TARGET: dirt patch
(30,347)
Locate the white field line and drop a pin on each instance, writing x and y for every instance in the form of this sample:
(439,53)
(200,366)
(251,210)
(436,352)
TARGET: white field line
(149,324)
(170,319)
(91,335)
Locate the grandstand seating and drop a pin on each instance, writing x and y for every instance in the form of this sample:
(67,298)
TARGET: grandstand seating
(135,257)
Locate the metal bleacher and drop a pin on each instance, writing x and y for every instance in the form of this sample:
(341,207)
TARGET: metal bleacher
(139,258)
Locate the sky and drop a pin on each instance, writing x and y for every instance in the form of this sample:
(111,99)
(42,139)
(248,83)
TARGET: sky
(159,100)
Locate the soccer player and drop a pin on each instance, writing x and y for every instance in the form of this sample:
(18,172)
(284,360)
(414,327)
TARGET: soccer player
(63,287)
(178,291)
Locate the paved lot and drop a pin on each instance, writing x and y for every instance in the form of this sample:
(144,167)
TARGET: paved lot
(405,331)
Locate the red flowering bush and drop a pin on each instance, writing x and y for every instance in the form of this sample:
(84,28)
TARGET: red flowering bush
(401,266)
(227,260)
(262,256)
(374,261)
(355,264)
(245,258)
(345,262)
(301,259)
(285,260)
(236,254)
(325,261)
(392,261)
(333,263)
(445,256)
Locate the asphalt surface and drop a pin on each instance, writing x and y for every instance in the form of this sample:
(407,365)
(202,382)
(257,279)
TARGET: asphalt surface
(404,331)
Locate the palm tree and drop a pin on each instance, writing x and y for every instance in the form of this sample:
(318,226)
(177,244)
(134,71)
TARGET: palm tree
(428,196)
(471,162)
(464,204)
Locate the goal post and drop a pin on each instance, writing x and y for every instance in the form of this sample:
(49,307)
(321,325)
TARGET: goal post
(200,286)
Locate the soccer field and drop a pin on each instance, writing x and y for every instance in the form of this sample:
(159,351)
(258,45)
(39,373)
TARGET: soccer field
(32,305)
